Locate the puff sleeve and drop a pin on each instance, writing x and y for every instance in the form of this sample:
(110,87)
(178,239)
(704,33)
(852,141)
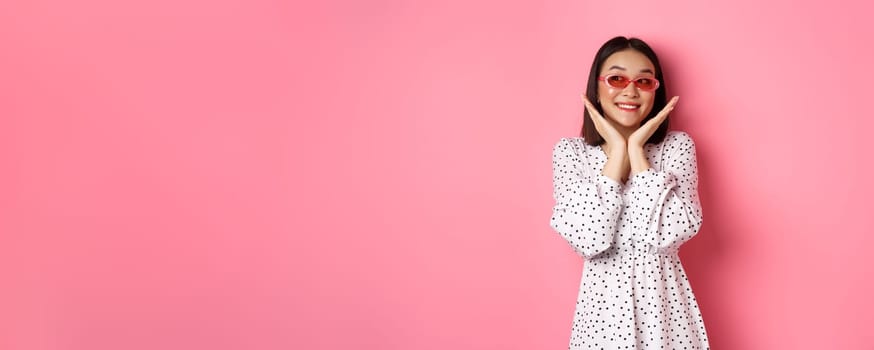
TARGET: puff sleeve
(664,204)
(587,206)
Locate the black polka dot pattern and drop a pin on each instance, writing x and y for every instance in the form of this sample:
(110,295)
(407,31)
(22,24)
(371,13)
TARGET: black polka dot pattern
(634,293)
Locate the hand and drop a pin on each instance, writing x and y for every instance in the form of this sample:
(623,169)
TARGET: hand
(638,137)
(617,166)
(607,131)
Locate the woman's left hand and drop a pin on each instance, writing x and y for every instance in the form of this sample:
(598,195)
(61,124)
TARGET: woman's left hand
(638,137)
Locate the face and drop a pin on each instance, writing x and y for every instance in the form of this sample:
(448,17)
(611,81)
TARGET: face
(626,106)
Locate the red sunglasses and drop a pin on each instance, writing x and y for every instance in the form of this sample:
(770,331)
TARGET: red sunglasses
(621,81)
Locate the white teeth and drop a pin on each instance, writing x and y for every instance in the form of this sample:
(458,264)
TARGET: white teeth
(625,106)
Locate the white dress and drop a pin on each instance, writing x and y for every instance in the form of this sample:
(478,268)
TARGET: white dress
(634,293)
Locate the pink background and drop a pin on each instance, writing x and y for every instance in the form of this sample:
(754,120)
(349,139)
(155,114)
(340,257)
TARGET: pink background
(377,175)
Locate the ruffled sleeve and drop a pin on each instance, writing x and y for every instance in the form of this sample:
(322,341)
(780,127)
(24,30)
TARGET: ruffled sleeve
(587,206)
(664,204)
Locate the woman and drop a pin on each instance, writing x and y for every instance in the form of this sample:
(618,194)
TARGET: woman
(626,198)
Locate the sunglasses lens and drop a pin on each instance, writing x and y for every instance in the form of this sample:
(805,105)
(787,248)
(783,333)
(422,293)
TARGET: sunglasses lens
(646,84)
(617,81)
(620,82)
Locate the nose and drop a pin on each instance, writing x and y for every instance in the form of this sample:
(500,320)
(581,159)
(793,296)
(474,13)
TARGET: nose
(630,90)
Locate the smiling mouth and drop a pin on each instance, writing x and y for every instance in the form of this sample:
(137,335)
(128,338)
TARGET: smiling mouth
(627,107)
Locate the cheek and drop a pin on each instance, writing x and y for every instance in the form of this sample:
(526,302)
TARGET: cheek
(650,100)
(606,95)
(647,111)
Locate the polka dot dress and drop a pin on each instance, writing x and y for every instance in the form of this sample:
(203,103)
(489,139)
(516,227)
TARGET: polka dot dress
(634,293)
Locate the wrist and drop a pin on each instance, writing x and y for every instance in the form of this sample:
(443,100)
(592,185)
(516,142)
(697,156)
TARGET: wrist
(637,159)
(636,152)
(615,149)
(634,147)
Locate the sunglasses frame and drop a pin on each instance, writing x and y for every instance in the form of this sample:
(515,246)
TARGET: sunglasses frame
(629,81)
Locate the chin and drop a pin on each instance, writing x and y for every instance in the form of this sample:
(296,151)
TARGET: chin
(628,121)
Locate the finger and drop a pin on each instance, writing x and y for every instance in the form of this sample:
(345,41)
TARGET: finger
(596,117)
(665,111)
(591,108)
(670,106)
(586,103)
(660,117)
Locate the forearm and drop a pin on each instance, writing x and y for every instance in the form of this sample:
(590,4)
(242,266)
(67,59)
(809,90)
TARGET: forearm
(637,158)
(616,167)
(586,214)
(671,210)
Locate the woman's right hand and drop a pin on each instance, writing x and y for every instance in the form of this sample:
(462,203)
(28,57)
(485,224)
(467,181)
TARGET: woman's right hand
(618,165)
(607,131)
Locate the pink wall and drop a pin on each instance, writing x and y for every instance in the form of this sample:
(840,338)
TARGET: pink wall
(376,175)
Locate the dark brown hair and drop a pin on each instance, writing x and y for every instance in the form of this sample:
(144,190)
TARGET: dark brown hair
(612,46)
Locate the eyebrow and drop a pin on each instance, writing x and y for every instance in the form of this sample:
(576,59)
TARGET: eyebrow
(645,70)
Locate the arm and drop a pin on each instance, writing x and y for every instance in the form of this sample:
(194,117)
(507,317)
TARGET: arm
(665,204)
(586,207)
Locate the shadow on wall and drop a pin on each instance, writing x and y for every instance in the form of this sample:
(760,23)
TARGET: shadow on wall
(704,256)
(707,254)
